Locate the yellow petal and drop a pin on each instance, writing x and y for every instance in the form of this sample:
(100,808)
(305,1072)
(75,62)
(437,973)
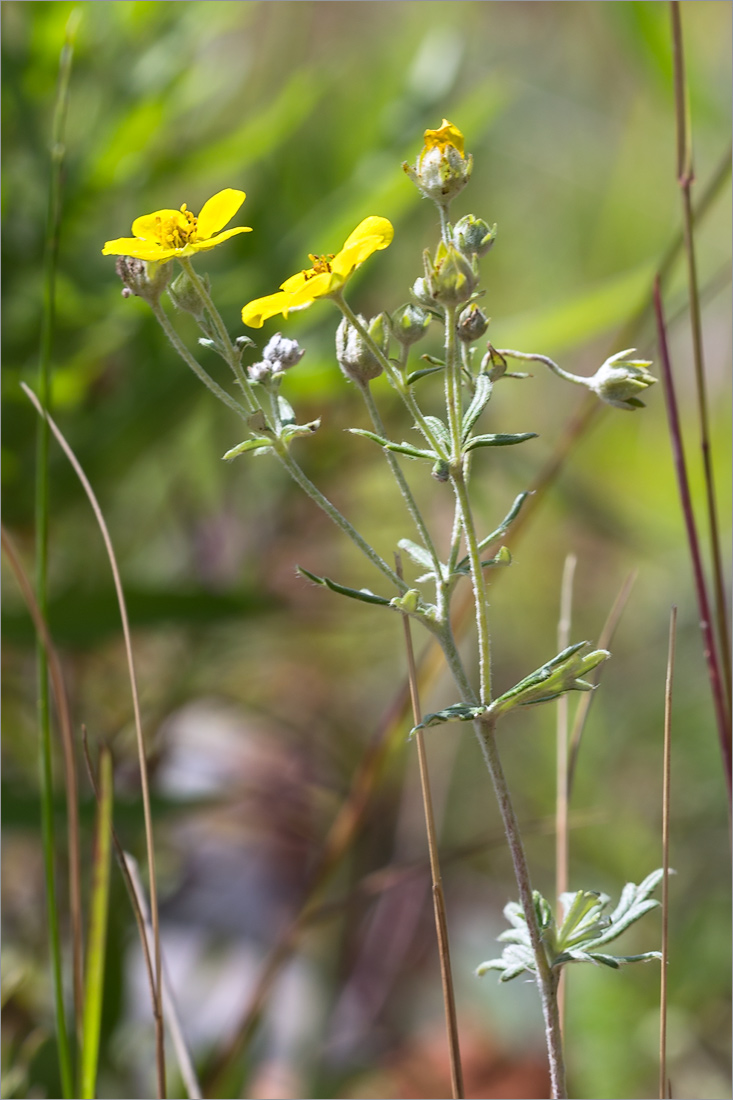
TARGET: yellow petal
(310,289)
(202,246)
(257,312)
(147,226)
(217,211)
(372,227)
(446,134)
(139,250)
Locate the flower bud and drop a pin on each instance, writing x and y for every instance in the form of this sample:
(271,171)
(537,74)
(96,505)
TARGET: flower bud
(442,169)
(472,324)
(410,323)
(473,236)
(260,372)
(144,279)
(421,291)
(619,383)
(379,331)
(493,364)
(282,353)
(355,358)
(452,278)
(185,296)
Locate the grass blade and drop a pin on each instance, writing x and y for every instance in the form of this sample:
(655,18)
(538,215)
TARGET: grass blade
(97,941)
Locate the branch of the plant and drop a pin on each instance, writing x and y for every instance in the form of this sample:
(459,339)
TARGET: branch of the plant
(685,178)
(404,391)
(604,642)
(160,1047)
(231,355)
(478,582)
(562,854)
(441,924)
(195,366)
(300,477)
(711,656)
(185,1062)
(50,265)
(537,358)
(407,495)
(666,777)
(452,386)
(67,744)
(546,979)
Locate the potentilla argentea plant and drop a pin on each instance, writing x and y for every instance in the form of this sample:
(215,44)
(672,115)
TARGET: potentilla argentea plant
(447,295)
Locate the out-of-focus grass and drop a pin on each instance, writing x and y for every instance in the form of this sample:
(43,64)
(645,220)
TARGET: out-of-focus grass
(311,108)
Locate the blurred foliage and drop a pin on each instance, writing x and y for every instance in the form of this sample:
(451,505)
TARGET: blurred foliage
(310,108)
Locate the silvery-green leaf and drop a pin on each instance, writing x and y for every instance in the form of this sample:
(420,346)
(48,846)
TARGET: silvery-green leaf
(400,448)
(481,395)
(458,712)
(287,415)
(290,431)
(501,440)
(362,594)
(248,445)
(503,527)
(418,553)
(416,375)
(440,430)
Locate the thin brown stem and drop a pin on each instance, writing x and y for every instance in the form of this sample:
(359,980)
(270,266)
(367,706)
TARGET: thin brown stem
(666,775)
(441,924)
(142,761)
(685,179)
(722,714)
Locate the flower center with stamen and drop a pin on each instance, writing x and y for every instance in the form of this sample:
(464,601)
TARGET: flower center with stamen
(172,233)
(321,265)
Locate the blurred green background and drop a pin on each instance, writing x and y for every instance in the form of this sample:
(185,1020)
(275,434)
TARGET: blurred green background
(260,693)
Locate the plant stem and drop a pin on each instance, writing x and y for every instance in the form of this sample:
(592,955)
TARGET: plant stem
(685,178)
(195,366)
(535,357)
(562,778)
(340,520)
(230,354)
(50,264)
(406,493)
(666,777)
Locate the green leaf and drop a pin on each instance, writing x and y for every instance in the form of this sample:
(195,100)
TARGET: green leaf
(257,444)
(290,431)
(418,554)
(481,396)
(497,440)
(457,712)
(287,415)
(362,594)
(416,375)
(440,430)
(505,523)
(400,448)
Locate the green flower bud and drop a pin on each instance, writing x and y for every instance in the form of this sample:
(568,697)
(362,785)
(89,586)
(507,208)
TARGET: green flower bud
(472,324)
(355,358)
(410,323)
(619,383)
(451,278)
(379,331)
(185,296)
(144,279)
(473,236)
(421,291)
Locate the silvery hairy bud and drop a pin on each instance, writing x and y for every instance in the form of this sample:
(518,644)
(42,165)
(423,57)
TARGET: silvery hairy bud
(356,360)
(410,323)
(473,236)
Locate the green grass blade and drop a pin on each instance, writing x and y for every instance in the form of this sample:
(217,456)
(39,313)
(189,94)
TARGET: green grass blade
(97,941)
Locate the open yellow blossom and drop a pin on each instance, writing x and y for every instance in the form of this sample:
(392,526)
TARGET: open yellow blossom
(446,134)
(327,275)
(167,234)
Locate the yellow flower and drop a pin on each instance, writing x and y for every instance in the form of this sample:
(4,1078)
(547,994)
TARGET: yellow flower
(447,134)
(167,234)
(327,275)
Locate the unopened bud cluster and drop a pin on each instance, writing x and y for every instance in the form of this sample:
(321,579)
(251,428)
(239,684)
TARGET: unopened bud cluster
(279,354)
